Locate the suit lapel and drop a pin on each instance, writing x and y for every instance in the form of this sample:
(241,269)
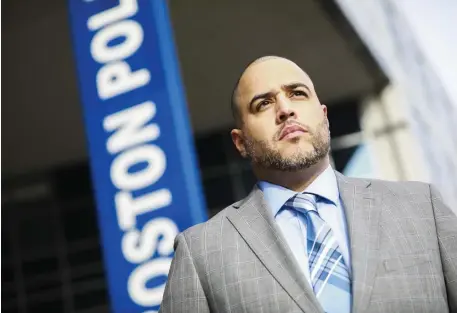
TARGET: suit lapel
(254,222)
(362,206)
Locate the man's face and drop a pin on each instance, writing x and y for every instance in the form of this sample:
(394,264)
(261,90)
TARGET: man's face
(284,126)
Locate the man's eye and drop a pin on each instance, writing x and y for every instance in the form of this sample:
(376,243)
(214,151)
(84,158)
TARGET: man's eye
(299,93)
(262,104)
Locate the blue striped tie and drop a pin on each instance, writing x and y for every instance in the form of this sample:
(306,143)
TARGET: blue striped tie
(328,272)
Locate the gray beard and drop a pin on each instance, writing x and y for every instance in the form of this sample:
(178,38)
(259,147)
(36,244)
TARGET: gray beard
(262,155)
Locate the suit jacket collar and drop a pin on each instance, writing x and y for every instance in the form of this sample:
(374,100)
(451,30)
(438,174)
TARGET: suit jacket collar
(254,221)
(361,200)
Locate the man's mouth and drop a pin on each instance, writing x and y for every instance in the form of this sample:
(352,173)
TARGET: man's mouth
(291,131)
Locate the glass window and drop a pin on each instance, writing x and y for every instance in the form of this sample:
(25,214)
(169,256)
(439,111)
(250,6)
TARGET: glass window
(91,299)
(41,266)
(85,257)
(36,226)
(211,150)
(80,223)
(341,157)
(50,306)
(249,180)
(218,191)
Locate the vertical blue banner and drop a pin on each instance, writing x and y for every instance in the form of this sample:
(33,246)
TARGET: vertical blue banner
(144,170)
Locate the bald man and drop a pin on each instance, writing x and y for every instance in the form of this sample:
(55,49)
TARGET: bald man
(307,238)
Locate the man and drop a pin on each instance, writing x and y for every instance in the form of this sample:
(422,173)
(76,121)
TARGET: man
(308,239)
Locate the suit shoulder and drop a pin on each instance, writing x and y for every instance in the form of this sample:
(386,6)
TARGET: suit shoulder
(212,224)
(403,187)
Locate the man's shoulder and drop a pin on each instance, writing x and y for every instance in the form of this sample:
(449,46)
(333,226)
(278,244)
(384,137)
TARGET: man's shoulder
(394,187)
(401,187)
(212,226)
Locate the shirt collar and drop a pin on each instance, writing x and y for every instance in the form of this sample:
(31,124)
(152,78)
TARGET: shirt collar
(325,186)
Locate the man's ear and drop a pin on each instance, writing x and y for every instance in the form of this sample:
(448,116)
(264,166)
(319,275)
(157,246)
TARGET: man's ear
(238,141)
(324,109)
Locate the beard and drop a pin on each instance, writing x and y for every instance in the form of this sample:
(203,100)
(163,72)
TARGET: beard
(264,155)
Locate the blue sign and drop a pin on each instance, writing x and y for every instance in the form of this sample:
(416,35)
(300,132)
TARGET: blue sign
(144,170)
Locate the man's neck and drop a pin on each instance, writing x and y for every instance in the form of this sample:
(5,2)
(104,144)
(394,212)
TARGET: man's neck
(296,181)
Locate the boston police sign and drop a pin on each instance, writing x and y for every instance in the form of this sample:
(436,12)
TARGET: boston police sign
(143,167)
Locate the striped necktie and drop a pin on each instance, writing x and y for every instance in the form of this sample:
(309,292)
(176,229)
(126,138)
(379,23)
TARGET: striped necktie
(328,272)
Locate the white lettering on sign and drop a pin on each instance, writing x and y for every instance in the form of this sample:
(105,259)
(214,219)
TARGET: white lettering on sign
(125,179)
(140,246)
(130,31)
(141,275)
(138,162)
(116,78)
(130,126)
(128,207)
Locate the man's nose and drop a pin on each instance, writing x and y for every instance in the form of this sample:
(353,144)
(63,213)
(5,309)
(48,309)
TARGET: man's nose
(284,110)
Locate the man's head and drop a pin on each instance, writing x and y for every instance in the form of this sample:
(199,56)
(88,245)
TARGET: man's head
(281,125)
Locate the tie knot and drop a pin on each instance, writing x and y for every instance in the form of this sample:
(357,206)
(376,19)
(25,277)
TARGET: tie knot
(303,202)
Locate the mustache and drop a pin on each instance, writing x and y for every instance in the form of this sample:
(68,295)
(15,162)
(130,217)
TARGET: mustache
(291,123)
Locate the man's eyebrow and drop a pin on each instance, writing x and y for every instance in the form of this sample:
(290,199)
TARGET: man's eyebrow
(295,85)
(270,94)
(264,95)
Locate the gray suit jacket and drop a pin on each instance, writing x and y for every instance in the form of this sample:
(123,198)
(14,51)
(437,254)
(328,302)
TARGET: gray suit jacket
(403,243)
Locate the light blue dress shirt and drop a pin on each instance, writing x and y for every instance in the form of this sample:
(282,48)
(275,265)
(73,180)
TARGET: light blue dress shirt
(293,224)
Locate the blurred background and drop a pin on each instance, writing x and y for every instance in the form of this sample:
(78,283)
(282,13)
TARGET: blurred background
(386,69)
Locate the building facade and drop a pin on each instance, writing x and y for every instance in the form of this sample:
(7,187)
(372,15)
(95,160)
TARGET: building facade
(411,126)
